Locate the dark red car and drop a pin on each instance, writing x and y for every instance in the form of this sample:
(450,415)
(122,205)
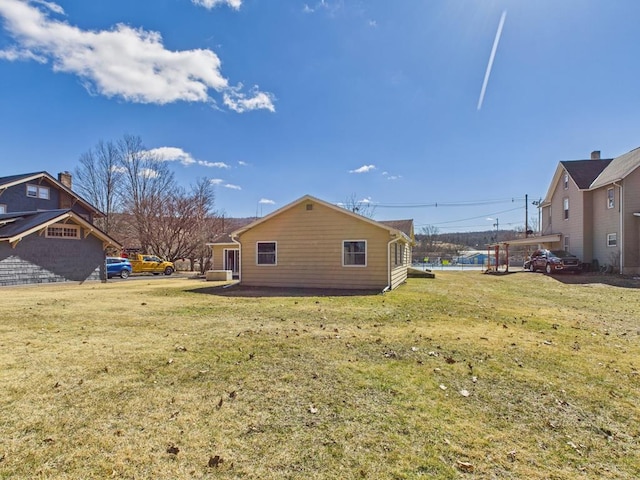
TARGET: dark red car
(551,261)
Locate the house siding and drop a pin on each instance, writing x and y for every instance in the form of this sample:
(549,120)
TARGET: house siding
(16,199)
(571,227)
(37,259)
(310,250)
(605,220)
(631,204)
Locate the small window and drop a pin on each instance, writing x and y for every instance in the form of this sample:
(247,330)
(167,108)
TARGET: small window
(354,253)
(566,181)
(37,191)
(266,253)
(309,207)
(398,253)
(610,198)
(565,205)
(3,208)
(63,231)
(566,243)
(612,239)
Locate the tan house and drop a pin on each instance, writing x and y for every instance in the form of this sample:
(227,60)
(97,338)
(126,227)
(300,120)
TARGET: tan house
(310,243)
(594,208)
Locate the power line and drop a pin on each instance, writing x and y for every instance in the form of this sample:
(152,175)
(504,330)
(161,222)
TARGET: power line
(447,204)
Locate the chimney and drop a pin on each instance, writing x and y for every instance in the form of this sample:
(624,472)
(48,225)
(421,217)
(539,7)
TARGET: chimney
(65,179)
(595,155)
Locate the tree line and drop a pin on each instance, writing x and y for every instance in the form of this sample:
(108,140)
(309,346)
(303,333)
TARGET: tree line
(144,206)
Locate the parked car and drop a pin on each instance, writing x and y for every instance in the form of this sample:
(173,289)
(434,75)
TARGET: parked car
(551,261)
(117,266)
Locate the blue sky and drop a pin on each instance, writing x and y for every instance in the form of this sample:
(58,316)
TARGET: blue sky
(374,100)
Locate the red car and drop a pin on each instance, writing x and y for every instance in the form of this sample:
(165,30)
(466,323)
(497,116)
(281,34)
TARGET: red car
(552,261)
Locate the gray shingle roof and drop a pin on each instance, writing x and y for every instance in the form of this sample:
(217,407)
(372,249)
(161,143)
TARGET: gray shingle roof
(584,172)
(618,169)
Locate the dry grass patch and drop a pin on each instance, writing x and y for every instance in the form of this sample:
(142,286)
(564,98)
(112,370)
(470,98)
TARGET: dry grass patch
(463,375)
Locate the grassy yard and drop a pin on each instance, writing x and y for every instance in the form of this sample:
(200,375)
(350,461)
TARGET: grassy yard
(466,375)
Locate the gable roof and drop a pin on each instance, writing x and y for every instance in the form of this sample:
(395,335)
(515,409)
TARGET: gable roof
(584,172)
(343,211)
(12,180)
(581,172)
(618,169)
(230,224)
(405,226)
(15,226)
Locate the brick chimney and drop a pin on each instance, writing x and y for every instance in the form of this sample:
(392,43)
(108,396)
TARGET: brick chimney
(595,155)
(65,179)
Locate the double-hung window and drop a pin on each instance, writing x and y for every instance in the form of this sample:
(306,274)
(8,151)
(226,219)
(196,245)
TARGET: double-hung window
(565,206)
(611,203)
(612,239)
(266,253)
(354,253)
(37,191)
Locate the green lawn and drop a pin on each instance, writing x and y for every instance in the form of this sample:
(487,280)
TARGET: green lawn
(466,375)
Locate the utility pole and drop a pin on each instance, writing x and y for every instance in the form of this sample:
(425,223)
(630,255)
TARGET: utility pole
(526,215)
(497,228)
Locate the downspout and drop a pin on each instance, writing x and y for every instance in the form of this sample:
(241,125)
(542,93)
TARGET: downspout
(388,287)
(234,240)
(621,208)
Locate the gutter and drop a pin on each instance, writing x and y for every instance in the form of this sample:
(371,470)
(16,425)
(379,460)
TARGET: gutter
(621,208)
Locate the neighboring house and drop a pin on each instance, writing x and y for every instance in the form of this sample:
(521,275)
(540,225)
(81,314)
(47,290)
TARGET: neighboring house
(314,244)
(47,232)
(594,208)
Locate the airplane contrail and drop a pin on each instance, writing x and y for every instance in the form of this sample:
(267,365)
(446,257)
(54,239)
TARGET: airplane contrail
(491,57)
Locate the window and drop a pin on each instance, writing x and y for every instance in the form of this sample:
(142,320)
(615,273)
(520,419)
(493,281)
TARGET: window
(37,191)
(565,182)
(566,243)
(63,231)
(610,198)
(398,253)
(612,239)
(266,253)
(354,253)
(565,205)
(3,208)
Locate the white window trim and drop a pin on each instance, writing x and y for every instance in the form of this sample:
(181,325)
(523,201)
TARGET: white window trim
(276,254)
(611,201)
(565,210)
(614,237)
(565,181)
(67,226)
(366,253)
(39,189)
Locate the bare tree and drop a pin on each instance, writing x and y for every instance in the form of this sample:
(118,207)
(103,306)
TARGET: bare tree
(149,186)
(98,179)
(361,207)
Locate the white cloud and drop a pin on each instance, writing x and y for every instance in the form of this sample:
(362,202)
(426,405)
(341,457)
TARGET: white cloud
(232,186)
(363,169)
(148,173)
(239,102)
(391,177)
(209,4)
(216,181)
(366,200)
(125,62)
(372,23)
(55,8)
(204,163)
(266,201)
(171,154)
(242,163)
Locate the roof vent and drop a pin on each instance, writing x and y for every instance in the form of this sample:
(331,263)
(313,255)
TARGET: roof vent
(309,206)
